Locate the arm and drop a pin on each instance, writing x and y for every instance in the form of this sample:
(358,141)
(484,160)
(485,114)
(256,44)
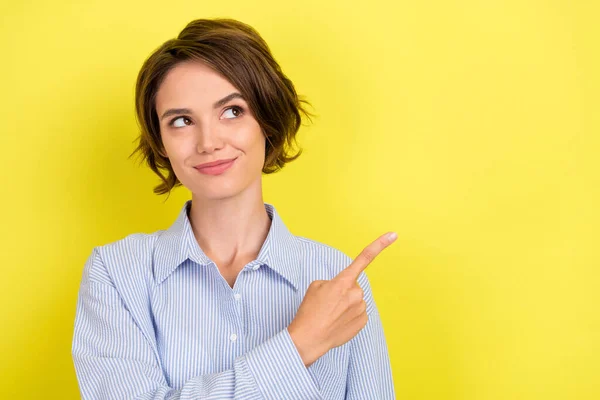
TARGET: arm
(113,359)
(369,369)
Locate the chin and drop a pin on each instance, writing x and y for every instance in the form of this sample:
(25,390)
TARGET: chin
(215,192)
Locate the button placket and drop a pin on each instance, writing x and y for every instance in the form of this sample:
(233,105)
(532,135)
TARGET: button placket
(236,336)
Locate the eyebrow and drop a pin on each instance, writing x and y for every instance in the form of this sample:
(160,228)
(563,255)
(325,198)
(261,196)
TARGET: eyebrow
(217,104)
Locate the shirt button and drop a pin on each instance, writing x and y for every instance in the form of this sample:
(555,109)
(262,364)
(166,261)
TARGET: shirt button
(237,296)
(233,337)
(256,267)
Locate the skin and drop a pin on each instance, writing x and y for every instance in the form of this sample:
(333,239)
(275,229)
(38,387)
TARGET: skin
(334,311)
(227,215)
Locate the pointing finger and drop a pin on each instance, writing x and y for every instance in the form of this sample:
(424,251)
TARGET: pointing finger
(351,272)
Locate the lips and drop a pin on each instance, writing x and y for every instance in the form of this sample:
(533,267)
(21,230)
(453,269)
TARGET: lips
(216,169)
(213,163)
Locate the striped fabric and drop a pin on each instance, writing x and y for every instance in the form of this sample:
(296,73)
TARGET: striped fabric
(156,320)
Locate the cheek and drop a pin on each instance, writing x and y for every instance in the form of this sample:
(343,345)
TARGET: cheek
(176,148)
(250,140)
(257,150)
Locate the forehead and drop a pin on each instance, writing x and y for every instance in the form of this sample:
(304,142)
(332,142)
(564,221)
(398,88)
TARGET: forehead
(192,83)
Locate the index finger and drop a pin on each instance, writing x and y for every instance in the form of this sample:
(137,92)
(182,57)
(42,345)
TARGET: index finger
(351,272)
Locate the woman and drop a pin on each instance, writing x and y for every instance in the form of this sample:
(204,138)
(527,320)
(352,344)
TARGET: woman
(227,302)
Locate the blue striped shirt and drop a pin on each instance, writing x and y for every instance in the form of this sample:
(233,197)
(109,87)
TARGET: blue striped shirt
(155,319)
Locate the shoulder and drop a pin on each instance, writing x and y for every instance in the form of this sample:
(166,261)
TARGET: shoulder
(333,259)
(138,246)
(130,256)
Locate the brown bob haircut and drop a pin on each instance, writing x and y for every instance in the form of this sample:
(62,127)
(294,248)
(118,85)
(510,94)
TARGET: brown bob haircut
(236,51)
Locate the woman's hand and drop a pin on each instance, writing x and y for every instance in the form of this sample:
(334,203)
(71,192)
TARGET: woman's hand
(334,311)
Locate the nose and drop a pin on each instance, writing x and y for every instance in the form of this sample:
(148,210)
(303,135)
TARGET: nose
(208,138)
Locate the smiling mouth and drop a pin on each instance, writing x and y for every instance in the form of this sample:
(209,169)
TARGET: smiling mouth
(216,169)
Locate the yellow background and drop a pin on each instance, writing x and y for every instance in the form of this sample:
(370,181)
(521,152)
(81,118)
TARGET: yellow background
(469,127)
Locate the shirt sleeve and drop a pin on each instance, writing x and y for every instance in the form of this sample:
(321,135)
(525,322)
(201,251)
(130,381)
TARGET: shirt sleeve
(369,369)
(114,360)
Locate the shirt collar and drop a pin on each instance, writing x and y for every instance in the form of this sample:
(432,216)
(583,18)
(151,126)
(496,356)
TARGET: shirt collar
(280,251)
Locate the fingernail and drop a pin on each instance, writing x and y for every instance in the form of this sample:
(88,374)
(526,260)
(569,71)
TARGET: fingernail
(392,236)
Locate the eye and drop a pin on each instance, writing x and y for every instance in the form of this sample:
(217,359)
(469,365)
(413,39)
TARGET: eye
(236,111)
(172,122)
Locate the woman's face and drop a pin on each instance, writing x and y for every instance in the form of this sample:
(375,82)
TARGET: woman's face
(215,125)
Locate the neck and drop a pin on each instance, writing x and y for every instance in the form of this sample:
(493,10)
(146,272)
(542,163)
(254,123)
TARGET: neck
(232,228)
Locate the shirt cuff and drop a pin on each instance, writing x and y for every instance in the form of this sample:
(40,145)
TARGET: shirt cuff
(279,370)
